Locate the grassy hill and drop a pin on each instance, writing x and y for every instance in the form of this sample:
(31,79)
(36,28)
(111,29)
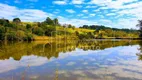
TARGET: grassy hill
(52,29)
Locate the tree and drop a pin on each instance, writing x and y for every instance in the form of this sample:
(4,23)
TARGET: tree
(20,35)
(28,26)
(2,32)
(140,27)
(49,21)
(16,20)
(38,24)
(77,33)
(50,31)
(11,35)
(56,21)
(91,35)
(69,26)
(5,22)
(29,37)
(38,31)
(85,26)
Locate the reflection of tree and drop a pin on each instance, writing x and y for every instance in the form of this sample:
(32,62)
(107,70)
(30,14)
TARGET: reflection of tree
(139,56)
(140,49)
(56,75)
(48,49)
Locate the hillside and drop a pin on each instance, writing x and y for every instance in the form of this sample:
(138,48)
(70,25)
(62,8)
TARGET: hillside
(51,29)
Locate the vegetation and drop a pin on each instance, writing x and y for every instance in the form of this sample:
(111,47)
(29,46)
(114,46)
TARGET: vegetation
(140,27)
(49,50)
(107,32)
(52,29)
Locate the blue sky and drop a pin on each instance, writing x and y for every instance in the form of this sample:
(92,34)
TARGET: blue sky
(112,13)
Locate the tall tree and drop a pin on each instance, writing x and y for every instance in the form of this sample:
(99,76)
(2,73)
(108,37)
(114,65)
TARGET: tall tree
(49,21)
(56,21)
(4,22)
(16,20)
(140,27)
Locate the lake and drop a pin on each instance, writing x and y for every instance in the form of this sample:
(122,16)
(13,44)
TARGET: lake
(71,60)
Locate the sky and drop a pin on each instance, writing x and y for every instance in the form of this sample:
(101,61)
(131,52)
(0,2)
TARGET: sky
(111,13)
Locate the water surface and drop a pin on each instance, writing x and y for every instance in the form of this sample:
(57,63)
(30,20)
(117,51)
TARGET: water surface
(71,60)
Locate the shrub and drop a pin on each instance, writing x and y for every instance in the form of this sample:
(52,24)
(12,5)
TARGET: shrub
(38,31)
(20,35)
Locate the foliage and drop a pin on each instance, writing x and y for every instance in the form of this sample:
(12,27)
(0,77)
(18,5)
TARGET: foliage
(49,21)
(16,20)
(140,27)
(107,32)
(20,35)
(28,26)
(38,31)
(2,32)
(18,30)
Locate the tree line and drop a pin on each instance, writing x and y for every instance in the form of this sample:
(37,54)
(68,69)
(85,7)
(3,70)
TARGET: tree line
(18,30)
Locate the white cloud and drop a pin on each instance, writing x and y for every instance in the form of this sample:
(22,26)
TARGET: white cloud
(90,6)
(11,12)
(96,10)
(127,23)
(77,1)
(76,22)
(119,8)
(63,2)
(70,11)
(78,6)
(92,15)
(80,14)
(111,14)
(56,11)
(85,11)
(99,2)
(117,4)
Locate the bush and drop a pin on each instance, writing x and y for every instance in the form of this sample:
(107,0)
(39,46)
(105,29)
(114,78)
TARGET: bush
(50,31)
(2,32)
(20,35)
(11,35)
(38,31)
(82,36)
(29,37)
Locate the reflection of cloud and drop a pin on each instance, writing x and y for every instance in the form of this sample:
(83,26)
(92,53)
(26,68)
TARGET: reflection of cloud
(6,65)
(78,72)
(78,68)
(33,61)
(129,50)
(70,63)
(92,59)
(85,78)
(125,50)
(10,64)
(62,72)
(100,67)
(34,77)
(120,68)
(118,71)
(85,63)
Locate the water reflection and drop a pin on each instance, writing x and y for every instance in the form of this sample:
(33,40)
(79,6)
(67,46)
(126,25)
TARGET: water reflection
(47,49)
(71,60)
(140,53)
